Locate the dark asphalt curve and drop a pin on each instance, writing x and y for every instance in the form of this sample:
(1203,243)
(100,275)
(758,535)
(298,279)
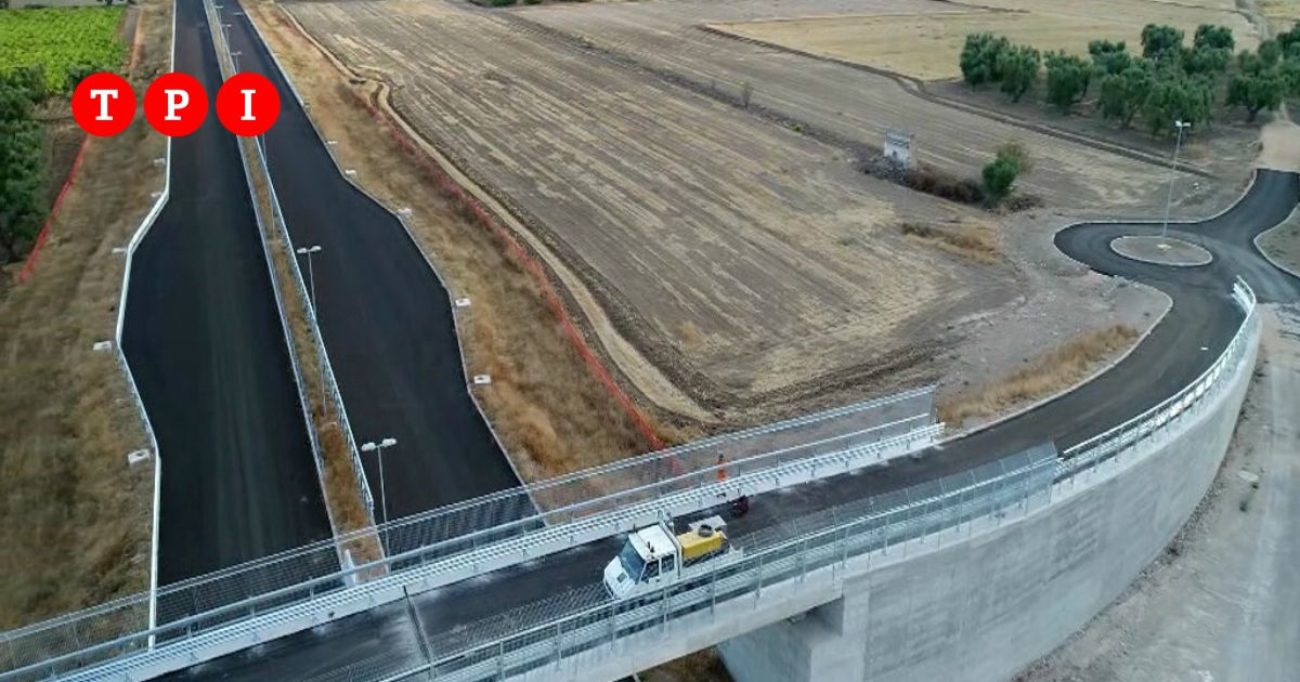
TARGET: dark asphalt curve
(385,318)
(1199,325)
(204,341)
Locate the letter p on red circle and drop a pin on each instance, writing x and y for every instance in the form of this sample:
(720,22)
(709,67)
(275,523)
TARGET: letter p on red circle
(248,104)
(175,104)
(103,104)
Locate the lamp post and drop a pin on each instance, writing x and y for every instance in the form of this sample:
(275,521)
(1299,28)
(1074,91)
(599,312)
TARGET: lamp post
(311,279)
(1173,168)
(378,448)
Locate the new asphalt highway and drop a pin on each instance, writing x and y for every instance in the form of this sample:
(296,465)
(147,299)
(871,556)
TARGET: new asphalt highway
(385,318)
(204,341)
(1186,341)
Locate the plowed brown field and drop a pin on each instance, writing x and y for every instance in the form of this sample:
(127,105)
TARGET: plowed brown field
(746,259)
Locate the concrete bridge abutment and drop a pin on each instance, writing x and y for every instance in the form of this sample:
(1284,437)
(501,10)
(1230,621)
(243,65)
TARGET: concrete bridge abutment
(984,609)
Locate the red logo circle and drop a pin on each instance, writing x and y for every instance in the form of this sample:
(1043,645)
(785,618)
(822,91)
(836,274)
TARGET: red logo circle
(248,104)
(103,104)
(175,104)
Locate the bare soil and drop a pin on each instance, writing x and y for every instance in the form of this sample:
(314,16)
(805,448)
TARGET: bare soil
(680,212)
(849,105)
(75,519)
(1050,373)
(553,415)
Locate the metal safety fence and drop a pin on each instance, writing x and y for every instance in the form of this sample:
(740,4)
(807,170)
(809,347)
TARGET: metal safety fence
(542,633)
(574,622)
(460,540)
(1186,404)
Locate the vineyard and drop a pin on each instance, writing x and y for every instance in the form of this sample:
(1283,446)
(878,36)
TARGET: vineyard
(58,38)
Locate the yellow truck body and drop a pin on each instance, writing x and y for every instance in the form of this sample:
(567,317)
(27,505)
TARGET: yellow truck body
(695,545)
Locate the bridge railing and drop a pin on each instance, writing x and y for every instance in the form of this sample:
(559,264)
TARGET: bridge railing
(1082,459)
(585,621)
(568,624)
(495,530)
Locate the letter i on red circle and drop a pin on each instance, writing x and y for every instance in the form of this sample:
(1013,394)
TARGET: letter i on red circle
(175,104)
(103,104)
(248,104)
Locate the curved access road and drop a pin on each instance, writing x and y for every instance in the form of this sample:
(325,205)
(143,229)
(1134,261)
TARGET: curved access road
(1183,344)
(204,340)
(385,317)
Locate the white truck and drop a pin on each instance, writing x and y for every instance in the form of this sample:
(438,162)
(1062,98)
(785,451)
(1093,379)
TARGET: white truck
(655,556)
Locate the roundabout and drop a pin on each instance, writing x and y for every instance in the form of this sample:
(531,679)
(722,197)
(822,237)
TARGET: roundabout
(1161,251)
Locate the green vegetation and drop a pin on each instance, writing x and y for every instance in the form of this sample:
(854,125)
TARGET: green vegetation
(1169,81)
(22,208)
(59,39)
(1255,92)
(43,52)
(1018,67)
(1068,78)
(979,58)
(1000,174)
(1160,42)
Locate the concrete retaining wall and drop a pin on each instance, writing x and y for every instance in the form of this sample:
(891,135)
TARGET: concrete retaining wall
(986,608)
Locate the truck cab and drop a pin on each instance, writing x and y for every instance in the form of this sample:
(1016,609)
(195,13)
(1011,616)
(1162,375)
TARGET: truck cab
(654,556)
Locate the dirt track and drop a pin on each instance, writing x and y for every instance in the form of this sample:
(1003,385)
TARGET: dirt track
(851,103)
(743,256)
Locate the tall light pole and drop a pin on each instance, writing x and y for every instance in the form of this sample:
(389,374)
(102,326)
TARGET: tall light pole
(379,449)
(1173,169)
(311,279)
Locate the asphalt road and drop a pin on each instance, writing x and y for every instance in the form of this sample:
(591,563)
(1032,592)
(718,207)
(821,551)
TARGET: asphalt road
(385,318)
(205,344)
(1197,328)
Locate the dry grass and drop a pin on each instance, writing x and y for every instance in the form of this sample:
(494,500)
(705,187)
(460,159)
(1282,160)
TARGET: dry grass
(552,414)
(1281,13)
(1049,374)
(978,242)
(347,509)
(935,38)
(75,520)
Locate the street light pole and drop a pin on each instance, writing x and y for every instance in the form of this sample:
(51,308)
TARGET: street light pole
(1173,168)
(378,448)
(311,279)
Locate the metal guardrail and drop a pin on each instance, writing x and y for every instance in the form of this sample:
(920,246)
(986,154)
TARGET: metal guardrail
(308,302)
(541,634)
(1089,453)
(137,237)
(948,503)
(264,236)
(852,437)
(406,226)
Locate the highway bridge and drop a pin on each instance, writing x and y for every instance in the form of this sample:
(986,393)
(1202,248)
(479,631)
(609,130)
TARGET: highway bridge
(1059,507)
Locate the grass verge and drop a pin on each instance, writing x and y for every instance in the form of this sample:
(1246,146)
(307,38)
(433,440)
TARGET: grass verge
(1282,243)
(552,414)
(1049,374)
(976,242)
(75,519)
(347,509)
